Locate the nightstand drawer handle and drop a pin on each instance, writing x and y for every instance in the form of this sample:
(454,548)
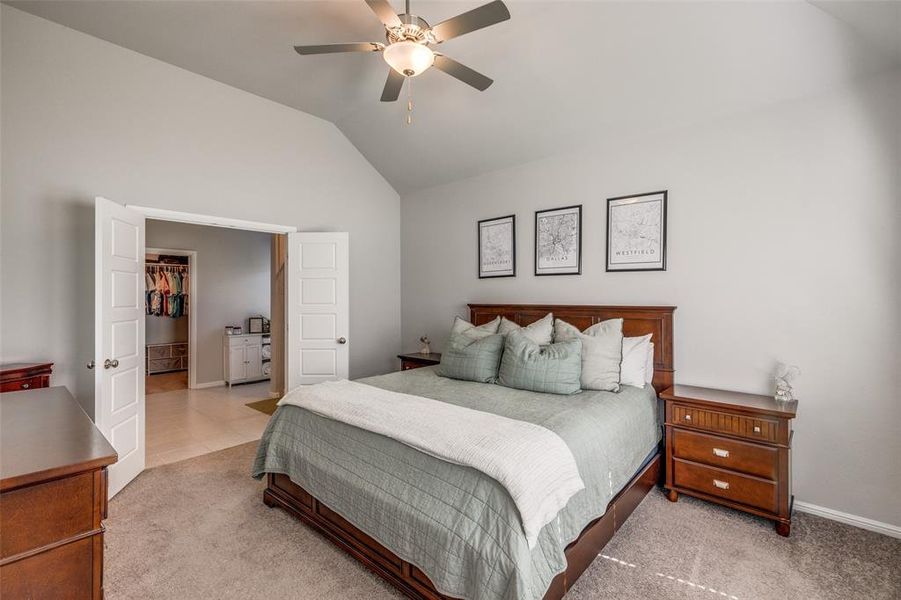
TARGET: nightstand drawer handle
(721,453)
(723,485)
(688,417)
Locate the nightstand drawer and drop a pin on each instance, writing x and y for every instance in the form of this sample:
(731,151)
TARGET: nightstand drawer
(745,457)
(755,428)
(744,489)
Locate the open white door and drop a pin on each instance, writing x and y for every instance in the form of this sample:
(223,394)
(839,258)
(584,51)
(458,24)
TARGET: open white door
(317,308)
(119,336)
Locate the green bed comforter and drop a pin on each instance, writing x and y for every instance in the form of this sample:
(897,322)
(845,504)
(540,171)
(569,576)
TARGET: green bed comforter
(459,526)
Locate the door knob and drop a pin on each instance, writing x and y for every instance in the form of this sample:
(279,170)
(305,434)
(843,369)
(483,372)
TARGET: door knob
(91,365)
(110,363)
(342,340)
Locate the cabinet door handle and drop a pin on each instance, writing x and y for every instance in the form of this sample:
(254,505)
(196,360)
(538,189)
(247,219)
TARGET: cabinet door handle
(25,386)
(723,485)
(342,340)
(721,453)
(110,364)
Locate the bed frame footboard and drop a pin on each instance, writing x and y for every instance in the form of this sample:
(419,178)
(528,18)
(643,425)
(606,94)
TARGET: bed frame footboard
(282,492)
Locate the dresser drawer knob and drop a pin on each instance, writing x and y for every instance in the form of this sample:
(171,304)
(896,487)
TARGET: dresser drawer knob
(721,453)
(723,485)
(688,417)
(757,429)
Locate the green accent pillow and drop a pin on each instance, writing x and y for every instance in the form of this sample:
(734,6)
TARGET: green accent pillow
(471,359)
(554,368)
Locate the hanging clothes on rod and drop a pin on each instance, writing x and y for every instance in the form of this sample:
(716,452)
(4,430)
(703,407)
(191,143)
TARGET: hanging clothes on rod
(166,290)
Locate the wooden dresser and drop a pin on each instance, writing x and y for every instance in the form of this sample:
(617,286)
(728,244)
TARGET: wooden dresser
(24,376)
(730,448)
(415,360)
(52,497)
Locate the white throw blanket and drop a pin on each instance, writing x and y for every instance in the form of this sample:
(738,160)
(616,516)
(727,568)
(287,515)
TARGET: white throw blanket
(535,466)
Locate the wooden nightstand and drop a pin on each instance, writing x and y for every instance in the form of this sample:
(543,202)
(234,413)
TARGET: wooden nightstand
(416,360)
(730,448)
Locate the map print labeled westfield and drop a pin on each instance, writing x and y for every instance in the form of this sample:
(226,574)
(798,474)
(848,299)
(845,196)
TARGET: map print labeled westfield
(635,232)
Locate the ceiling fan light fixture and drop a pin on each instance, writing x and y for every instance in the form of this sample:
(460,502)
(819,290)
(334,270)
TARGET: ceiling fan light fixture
(409,58)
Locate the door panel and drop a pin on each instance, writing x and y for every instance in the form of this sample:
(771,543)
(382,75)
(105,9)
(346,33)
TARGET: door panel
(253,361)
(317,309)
(236,366)
(119,337)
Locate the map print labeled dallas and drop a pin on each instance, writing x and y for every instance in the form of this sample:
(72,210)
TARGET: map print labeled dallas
(635,232)
(558,241)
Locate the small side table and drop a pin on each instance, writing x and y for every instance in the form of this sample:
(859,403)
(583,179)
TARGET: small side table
(730,448)
(25,376)
(415,360)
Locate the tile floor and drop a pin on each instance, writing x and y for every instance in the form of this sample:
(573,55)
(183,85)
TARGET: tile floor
(165,382)
(187,423)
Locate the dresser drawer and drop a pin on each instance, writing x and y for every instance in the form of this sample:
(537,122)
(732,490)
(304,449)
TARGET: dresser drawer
(744,489)
(755,428)
(61,573)
(34,516)
(734,455)
(21,384)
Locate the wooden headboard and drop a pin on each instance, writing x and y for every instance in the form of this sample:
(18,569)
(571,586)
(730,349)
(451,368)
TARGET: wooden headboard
(637,321)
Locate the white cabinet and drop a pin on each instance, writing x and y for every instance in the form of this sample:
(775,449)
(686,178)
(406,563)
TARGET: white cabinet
(243,358)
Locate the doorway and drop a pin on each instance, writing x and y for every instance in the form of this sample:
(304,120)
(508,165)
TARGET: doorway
(170,332)
(313,337)
(207,337)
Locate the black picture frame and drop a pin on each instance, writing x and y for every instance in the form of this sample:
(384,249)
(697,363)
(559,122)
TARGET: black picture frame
(657,265)
(578,268)
(480,226)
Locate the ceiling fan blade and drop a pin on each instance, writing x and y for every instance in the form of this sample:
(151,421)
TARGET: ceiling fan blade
(462,72)
(393,86)
(384,12)
(331,48)
(477,18)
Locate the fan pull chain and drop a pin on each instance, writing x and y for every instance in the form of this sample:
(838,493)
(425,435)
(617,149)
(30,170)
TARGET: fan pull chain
(409,100)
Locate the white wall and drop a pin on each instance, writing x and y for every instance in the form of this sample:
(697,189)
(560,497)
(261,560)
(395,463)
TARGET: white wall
(232,281)
(82,117)
(782,245)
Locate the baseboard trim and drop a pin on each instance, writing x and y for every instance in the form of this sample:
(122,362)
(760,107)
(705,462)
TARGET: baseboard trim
(849,519)
(209,384)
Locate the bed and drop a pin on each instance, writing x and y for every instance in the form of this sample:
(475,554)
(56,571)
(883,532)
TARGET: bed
(438,530)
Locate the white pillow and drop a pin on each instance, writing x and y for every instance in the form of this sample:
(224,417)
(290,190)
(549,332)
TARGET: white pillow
(649,368)
(602,352)
(635,361)
(475,332)
(541,331)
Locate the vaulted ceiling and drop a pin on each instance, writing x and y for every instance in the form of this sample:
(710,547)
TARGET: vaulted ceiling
(567,74)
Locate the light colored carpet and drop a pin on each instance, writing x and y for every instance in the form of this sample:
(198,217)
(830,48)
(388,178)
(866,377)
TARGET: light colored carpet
(199,529)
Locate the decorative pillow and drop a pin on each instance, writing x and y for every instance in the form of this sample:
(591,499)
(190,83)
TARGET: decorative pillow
(635,360)
(475,332)
(554,368)
(471,359)
(541,331)
(602,352)
(649,367)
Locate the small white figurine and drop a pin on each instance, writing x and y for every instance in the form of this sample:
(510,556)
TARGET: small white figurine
(785,374)
(426,349)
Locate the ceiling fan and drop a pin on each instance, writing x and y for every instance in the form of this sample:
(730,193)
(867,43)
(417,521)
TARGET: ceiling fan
(409,37)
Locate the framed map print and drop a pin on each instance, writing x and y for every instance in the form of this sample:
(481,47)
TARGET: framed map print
(497,247)
(636,232)
(558,241)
